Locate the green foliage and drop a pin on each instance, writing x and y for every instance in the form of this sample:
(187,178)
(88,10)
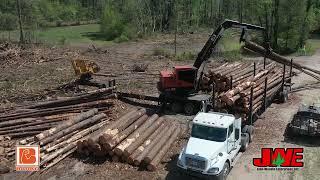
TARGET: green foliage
(62,40)
(111,24)
(8,22)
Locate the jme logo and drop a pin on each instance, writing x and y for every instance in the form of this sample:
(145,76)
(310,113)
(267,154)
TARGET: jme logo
(27,158)
(280,158)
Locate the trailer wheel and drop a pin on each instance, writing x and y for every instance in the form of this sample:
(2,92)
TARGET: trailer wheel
(283,96)
(189,108)
(176,107)
(244,142)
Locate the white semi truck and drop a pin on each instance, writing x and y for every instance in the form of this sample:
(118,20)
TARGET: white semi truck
(216,143)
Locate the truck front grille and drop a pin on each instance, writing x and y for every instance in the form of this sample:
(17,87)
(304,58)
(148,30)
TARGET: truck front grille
(195,163)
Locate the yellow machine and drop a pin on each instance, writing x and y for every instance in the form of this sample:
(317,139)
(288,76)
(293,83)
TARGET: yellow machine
(84,70)
(84,67)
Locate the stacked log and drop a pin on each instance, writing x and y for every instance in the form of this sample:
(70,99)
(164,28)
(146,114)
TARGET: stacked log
(61,140)
(135,138)
(233,83)
(55,124)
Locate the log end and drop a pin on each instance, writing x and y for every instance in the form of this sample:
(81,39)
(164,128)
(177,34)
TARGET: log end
(118,151)
(115,158)
(147,160)
(130,160)
(136,162)
(151,167)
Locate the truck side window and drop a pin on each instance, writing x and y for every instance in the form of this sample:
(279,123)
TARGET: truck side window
(230,131)
(237,133)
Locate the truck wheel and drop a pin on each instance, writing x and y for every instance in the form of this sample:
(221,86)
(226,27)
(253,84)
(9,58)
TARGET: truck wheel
(225,171)
(176,107)
(189,108)
(250,131)
(244,142)
(245,129)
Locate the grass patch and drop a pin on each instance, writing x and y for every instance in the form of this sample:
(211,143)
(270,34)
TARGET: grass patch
(312,45)
(71,35)
(185,56)
(161,52)
(230,49)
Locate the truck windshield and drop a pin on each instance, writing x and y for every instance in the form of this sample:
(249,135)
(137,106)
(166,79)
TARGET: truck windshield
(209,133)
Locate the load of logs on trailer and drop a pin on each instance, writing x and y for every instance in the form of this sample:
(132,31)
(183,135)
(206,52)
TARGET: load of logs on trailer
(58,121)
(241,88)
(139,138)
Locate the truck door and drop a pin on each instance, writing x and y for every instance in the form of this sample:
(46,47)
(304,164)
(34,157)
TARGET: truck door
(231,138)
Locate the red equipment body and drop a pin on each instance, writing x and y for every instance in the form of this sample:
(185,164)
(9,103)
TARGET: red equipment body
(182,77)
(188,77)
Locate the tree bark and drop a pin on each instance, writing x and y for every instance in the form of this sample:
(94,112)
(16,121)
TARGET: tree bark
(156,160)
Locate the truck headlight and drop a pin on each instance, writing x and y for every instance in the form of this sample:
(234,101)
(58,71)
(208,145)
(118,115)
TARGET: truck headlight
(213,170)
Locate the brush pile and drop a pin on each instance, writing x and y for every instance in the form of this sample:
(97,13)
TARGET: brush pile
(139,138)
(30,120)
(233,83)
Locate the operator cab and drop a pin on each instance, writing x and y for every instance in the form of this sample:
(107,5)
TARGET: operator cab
(181,77)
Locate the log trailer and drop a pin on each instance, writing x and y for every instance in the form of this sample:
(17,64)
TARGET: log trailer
(179,88)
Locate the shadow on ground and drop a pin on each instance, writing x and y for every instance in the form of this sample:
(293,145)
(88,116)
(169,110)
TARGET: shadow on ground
(301,140)
(174,172)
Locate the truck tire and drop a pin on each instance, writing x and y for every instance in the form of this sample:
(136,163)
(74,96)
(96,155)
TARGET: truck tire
(176,107)
(245,129)
(250,131)
(244,142)
(224,172)
(189,108)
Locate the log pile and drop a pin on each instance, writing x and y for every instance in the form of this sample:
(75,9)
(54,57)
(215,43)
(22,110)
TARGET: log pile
(137,138)
(29,120)
(233,83)
(60,141)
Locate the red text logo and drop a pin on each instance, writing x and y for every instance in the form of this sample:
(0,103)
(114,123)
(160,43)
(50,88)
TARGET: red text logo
(280,157)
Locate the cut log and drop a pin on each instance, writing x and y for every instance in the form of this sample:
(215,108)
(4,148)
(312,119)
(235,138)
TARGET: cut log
(280,59)
(78,135)
(8,124)
(137,135)
(156,160)
(119,125)
(141,156)
(69,123)
(72,128)
(73,100)
(136,145)
(157,146)
(121,136)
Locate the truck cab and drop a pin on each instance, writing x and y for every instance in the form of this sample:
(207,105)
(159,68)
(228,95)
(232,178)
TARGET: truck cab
(215,143)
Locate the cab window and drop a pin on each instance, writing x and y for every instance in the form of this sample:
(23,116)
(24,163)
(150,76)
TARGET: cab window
(230,131)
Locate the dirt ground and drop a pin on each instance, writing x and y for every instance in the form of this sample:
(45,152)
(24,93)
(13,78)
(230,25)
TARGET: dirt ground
(119,60)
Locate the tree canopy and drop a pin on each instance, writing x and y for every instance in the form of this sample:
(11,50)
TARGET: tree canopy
(288,22)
